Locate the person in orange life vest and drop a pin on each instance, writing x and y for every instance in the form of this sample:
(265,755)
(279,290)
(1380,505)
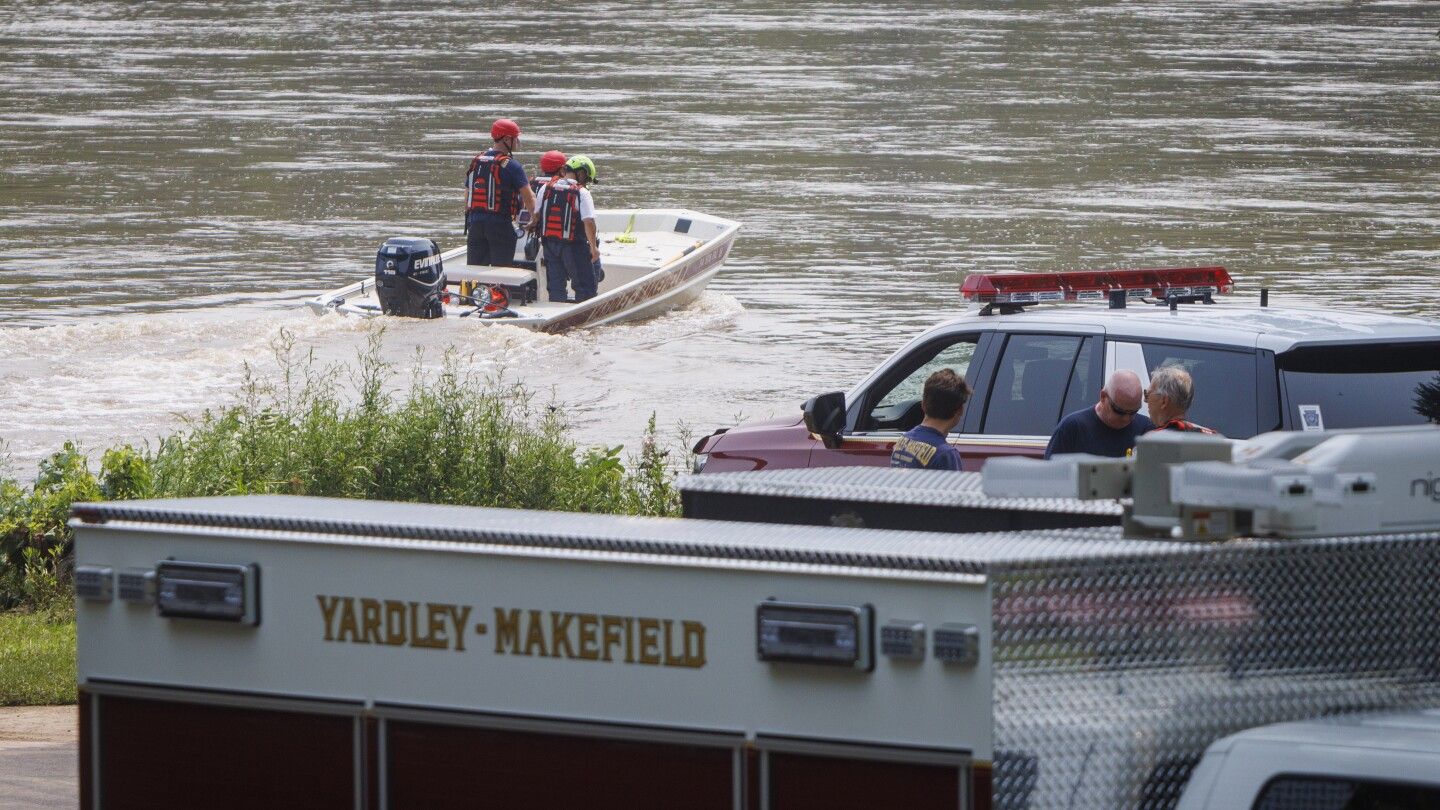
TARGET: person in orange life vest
(496,190)
(1169,396)
(565,216)
(552,163)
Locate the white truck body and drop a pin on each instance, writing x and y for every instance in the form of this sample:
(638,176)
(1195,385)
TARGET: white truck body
(1103,666)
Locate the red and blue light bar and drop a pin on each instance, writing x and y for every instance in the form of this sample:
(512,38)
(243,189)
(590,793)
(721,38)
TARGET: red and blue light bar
(1095,285)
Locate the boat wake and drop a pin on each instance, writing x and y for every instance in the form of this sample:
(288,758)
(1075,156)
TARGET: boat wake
(132,378)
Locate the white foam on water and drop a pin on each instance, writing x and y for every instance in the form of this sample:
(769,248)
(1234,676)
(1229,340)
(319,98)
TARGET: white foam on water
(711,312)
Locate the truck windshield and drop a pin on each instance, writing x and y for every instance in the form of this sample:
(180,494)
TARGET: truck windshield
(1362,386)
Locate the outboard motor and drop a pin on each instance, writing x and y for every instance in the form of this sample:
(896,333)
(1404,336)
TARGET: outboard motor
(409,277)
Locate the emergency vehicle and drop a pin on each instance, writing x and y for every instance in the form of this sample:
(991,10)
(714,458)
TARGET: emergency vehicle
(279,652)
(1031,360)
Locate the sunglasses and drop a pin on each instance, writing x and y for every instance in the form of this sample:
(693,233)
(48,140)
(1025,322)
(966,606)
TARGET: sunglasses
(1119,411)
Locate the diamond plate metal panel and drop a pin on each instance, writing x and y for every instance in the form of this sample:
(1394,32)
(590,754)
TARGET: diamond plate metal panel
(1111,678)
(882,485)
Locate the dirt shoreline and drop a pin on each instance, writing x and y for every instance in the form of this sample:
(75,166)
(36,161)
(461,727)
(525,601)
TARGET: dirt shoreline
(38,724)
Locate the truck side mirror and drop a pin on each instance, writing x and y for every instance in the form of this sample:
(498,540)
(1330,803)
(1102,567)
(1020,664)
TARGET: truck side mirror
(825,417)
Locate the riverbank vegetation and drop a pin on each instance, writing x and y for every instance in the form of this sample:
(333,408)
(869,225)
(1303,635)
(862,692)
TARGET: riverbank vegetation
(37,660)
(345,431)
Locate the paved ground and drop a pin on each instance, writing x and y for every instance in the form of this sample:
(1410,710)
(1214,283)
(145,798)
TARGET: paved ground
(38,766)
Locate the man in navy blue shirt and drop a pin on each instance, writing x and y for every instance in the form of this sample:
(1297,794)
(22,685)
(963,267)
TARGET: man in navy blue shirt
(924,446)
(1109,428)
(496,191)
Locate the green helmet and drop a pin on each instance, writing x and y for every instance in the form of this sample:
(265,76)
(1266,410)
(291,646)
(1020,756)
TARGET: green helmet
(581,162)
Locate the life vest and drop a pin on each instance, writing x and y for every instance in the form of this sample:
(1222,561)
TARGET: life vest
(560,214)
(1186,427)
(486,190)
(537,183)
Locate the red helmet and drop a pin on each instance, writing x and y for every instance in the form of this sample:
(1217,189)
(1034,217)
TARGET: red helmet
(504,128)
(551,161)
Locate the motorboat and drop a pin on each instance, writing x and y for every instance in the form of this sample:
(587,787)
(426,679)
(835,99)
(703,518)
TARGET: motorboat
(653,259)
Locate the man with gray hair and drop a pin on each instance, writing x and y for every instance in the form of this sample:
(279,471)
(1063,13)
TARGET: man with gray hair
(1107,429)
(1169,396)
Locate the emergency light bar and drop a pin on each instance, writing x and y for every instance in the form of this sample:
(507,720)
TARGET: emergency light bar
(1033,288)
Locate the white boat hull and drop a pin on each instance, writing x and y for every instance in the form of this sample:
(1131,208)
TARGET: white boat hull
(665,261)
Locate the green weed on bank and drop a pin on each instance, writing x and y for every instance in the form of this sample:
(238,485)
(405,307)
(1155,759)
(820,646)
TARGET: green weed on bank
(456,439)
(349,431)
(37,660)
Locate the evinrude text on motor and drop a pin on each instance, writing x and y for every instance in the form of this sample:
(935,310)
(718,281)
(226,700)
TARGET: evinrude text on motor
(409,278)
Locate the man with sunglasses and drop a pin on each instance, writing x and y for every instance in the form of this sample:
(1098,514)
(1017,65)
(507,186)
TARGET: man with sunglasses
(1108,429)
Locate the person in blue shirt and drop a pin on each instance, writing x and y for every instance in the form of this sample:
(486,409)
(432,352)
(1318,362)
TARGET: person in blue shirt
(496,191)
(943,403)
(1110,427)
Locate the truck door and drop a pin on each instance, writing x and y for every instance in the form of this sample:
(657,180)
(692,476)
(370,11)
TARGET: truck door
(1037,379)
(891,405)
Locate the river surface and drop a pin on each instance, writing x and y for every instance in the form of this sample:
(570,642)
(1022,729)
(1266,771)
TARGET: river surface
(176,177)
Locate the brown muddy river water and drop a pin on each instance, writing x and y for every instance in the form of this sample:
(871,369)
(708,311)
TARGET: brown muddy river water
(175,178)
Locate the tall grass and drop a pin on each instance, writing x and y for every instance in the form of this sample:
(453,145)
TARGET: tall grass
(339,431)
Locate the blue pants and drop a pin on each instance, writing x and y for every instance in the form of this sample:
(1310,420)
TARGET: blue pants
(490,240)
(568,261)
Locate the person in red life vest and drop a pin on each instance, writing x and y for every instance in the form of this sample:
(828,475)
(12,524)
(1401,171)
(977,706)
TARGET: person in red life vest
(924,447)
(552,163)
(565,216)
(1169,396)
(496,191)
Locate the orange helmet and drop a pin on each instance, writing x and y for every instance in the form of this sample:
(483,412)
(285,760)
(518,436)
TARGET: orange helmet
(504,128)
(551,161)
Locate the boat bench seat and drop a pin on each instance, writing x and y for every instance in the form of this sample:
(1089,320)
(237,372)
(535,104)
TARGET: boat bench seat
(508,276)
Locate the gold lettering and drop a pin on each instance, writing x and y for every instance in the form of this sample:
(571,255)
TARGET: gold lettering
(560,634)
(589,643)
(434,638)
(460,616)
(327,609)
(595,637)
(347,621)
(369,621)
(650,641)
(610,629)
(507,629)
(672,658)
(694,644)
(535,636)
(395,623)
(923,452)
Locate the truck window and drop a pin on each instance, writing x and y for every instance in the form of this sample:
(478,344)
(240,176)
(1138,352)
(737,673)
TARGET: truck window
(1034,374)
(1224,385)
(1295,792)
(897,397)
(1362,386)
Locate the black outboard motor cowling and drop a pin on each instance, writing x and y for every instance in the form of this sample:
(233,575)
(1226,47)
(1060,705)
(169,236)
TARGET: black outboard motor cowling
(409,277)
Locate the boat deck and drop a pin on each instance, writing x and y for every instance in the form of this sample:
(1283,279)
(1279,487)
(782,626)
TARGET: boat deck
(677,248)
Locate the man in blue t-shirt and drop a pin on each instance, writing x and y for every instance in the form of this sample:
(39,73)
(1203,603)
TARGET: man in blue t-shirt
(1109,428)
(496,191)
(924,446)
